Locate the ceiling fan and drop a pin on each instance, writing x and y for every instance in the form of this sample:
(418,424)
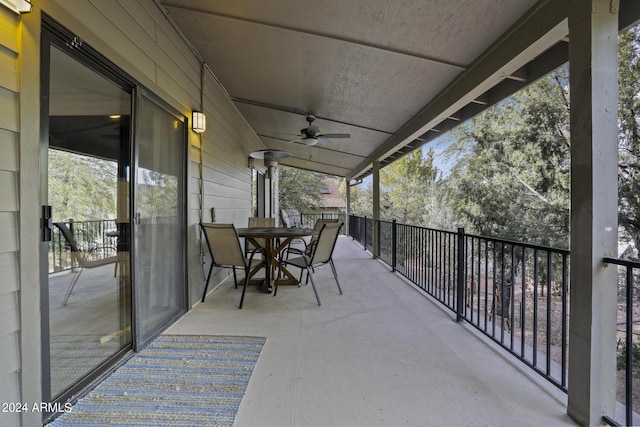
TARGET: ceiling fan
(311,134)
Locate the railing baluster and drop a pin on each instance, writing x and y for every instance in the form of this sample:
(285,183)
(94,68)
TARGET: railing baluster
(523,304)
(565,294)
(549,307)
(535,307)
(629,341)
(460,273)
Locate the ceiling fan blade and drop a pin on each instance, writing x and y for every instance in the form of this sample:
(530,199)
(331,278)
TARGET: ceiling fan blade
(334,135)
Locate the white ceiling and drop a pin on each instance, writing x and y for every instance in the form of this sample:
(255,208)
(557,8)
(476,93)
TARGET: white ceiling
(385,71)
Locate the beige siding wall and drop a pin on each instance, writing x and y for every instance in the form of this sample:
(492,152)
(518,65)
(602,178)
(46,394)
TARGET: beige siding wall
(9,278)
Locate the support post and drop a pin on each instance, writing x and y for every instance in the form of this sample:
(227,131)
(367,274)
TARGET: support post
(347,212)
(376,210)
(593,29)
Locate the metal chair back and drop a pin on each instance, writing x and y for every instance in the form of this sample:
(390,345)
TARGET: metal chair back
(224,245)
(323,247)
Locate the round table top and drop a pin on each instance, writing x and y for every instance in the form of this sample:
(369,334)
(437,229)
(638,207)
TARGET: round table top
(271,232)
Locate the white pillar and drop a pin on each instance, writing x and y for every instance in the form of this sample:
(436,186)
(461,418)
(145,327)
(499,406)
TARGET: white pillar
(376,209)
(593,30)
(347,211)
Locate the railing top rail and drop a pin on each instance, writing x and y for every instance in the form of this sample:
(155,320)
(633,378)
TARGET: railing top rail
(622,261)
(492,239)
(515,242)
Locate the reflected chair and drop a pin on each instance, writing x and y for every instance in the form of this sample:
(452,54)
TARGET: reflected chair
(225,250)
(84,259)
(320,253)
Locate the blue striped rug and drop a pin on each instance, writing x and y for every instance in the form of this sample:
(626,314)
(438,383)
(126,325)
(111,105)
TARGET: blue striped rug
(178,380)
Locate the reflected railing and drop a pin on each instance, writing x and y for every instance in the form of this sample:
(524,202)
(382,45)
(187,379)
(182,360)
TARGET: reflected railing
(89,236)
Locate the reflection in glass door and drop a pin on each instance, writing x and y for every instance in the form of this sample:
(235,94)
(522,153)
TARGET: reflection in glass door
(88,287)
(159,221)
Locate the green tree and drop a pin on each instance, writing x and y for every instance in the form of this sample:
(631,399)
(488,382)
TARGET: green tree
(512,178)
(411,192)
(361,200)
(404,183)
(300,190)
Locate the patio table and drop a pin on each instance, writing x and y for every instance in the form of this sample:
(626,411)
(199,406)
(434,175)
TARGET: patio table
(275,239)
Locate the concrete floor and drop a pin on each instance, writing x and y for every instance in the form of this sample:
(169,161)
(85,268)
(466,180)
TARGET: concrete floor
(382,354)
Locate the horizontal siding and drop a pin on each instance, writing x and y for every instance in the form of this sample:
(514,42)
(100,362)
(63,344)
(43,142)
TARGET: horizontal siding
(10,366)
(9,317)
(8,234)
(9,150)
(9,272)
(8,69)
(9,191)
(8,106)
(8,30)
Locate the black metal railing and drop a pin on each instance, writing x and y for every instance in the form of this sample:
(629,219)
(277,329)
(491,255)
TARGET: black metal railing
(361,230)
(309,219)
(88,235)
(515,293)
(628,346)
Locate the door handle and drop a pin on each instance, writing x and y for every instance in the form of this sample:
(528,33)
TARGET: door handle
(137,218)
(47,223)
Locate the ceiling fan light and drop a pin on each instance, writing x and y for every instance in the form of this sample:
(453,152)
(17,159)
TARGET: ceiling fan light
(310,141)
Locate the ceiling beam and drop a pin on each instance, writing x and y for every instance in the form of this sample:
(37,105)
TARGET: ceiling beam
(304,113)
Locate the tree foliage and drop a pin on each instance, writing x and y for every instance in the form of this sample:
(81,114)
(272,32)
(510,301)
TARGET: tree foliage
(299,189)
(361,202)
(512,178)
(411,193)
(629,134)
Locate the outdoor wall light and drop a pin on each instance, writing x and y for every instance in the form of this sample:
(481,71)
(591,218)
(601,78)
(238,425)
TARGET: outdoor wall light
(199,121)
(17,6)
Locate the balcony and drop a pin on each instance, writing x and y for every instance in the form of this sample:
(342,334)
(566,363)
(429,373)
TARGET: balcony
(384,353)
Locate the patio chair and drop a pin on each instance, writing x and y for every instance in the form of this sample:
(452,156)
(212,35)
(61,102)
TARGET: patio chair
(291,218)
(307,245)
(84,259)
(225,249)
(321,252)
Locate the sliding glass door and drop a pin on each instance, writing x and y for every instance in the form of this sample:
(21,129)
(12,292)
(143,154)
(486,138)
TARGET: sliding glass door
(159,219)
(85,196)
(113,216)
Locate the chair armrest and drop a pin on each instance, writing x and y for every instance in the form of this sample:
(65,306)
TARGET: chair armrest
(256,250)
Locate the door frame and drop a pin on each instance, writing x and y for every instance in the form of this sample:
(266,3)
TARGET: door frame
(54,34)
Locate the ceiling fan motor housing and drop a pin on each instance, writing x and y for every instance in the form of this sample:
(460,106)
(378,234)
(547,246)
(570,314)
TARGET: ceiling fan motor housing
(310,131)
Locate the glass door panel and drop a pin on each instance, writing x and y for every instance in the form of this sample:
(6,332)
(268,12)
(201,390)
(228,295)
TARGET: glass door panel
(159,222)
(89,287)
